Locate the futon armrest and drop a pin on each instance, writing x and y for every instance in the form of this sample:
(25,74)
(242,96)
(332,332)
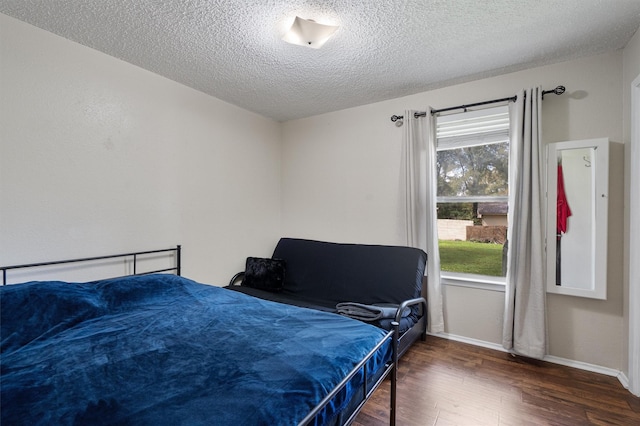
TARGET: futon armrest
(411,302)
(236,277)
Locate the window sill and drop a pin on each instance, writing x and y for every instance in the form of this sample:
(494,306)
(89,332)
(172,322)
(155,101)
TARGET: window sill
(482,282)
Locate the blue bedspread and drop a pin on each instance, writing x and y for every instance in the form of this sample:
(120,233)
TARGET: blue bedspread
(165,350)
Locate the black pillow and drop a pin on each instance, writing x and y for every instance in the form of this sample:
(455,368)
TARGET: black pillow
(264,274)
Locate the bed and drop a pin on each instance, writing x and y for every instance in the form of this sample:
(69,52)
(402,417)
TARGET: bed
(158,348)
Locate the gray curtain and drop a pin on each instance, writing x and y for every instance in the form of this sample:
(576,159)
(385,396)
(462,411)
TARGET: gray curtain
(524,329)
(419,191)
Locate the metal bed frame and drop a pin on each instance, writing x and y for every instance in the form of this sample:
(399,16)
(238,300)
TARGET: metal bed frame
(134,255)
(390,368)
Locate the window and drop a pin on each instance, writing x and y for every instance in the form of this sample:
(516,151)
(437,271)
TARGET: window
(473,189)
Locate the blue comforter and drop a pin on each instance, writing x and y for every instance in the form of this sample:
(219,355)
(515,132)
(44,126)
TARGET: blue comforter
(165,350)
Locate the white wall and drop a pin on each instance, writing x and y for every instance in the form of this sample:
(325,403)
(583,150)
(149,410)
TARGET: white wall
(341,178)
(98,156)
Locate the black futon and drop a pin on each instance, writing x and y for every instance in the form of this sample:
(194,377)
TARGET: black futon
(327,276)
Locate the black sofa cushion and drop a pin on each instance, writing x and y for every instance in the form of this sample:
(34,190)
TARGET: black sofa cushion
(325,273)
(406,322)
(264,274)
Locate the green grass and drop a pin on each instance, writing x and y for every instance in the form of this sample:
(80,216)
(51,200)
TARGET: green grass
(471,257)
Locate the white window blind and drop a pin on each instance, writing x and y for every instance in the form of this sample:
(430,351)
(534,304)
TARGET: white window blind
(473,128)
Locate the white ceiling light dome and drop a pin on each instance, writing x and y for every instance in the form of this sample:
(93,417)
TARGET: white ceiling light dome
(307,32)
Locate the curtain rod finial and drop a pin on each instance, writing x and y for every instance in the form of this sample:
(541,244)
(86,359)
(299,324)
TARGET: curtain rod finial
(559,90)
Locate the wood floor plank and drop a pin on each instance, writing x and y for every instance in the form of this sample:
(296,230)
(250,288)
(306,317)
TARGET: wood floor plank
(443,382)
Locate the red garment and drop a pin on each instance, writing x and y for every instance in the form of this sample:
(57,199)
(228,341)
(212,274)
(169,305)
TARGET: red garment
(563,210)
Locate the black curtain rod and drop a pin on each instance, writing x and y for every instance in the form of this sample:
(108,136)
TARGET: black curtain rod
(557,91)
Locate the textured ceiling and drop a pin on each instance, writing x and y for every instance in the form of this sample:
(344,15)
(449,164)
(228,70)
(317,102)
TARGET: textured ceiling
(384,48)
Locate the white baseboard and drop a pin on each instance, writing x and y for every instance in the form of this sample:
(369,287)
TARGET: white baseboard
(470,341)
(548,358)
(582,365)
(624,380)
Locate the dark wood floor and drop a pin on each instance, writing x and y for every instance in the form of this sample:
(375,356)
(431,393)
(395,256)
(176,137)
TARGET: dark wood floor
(443,382)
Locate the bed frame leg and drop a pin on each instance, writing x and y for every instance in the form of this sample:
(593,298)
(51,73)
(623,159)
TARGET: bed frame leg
(394,374)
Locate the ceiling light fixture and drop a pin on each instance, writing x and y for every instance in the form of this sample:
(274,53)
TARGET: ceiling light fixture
(307,32)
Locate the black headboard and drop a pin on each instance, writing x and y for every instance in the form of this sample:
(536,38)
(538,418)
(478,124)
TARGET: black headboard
(134,257)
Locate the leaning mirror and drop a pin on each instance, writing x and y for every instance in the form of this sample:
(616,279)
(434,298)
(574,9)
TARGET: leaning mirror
(576,224)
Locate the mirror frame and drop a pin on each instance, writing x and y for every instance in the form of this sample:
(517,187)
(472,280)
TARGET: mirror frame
(598,255)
